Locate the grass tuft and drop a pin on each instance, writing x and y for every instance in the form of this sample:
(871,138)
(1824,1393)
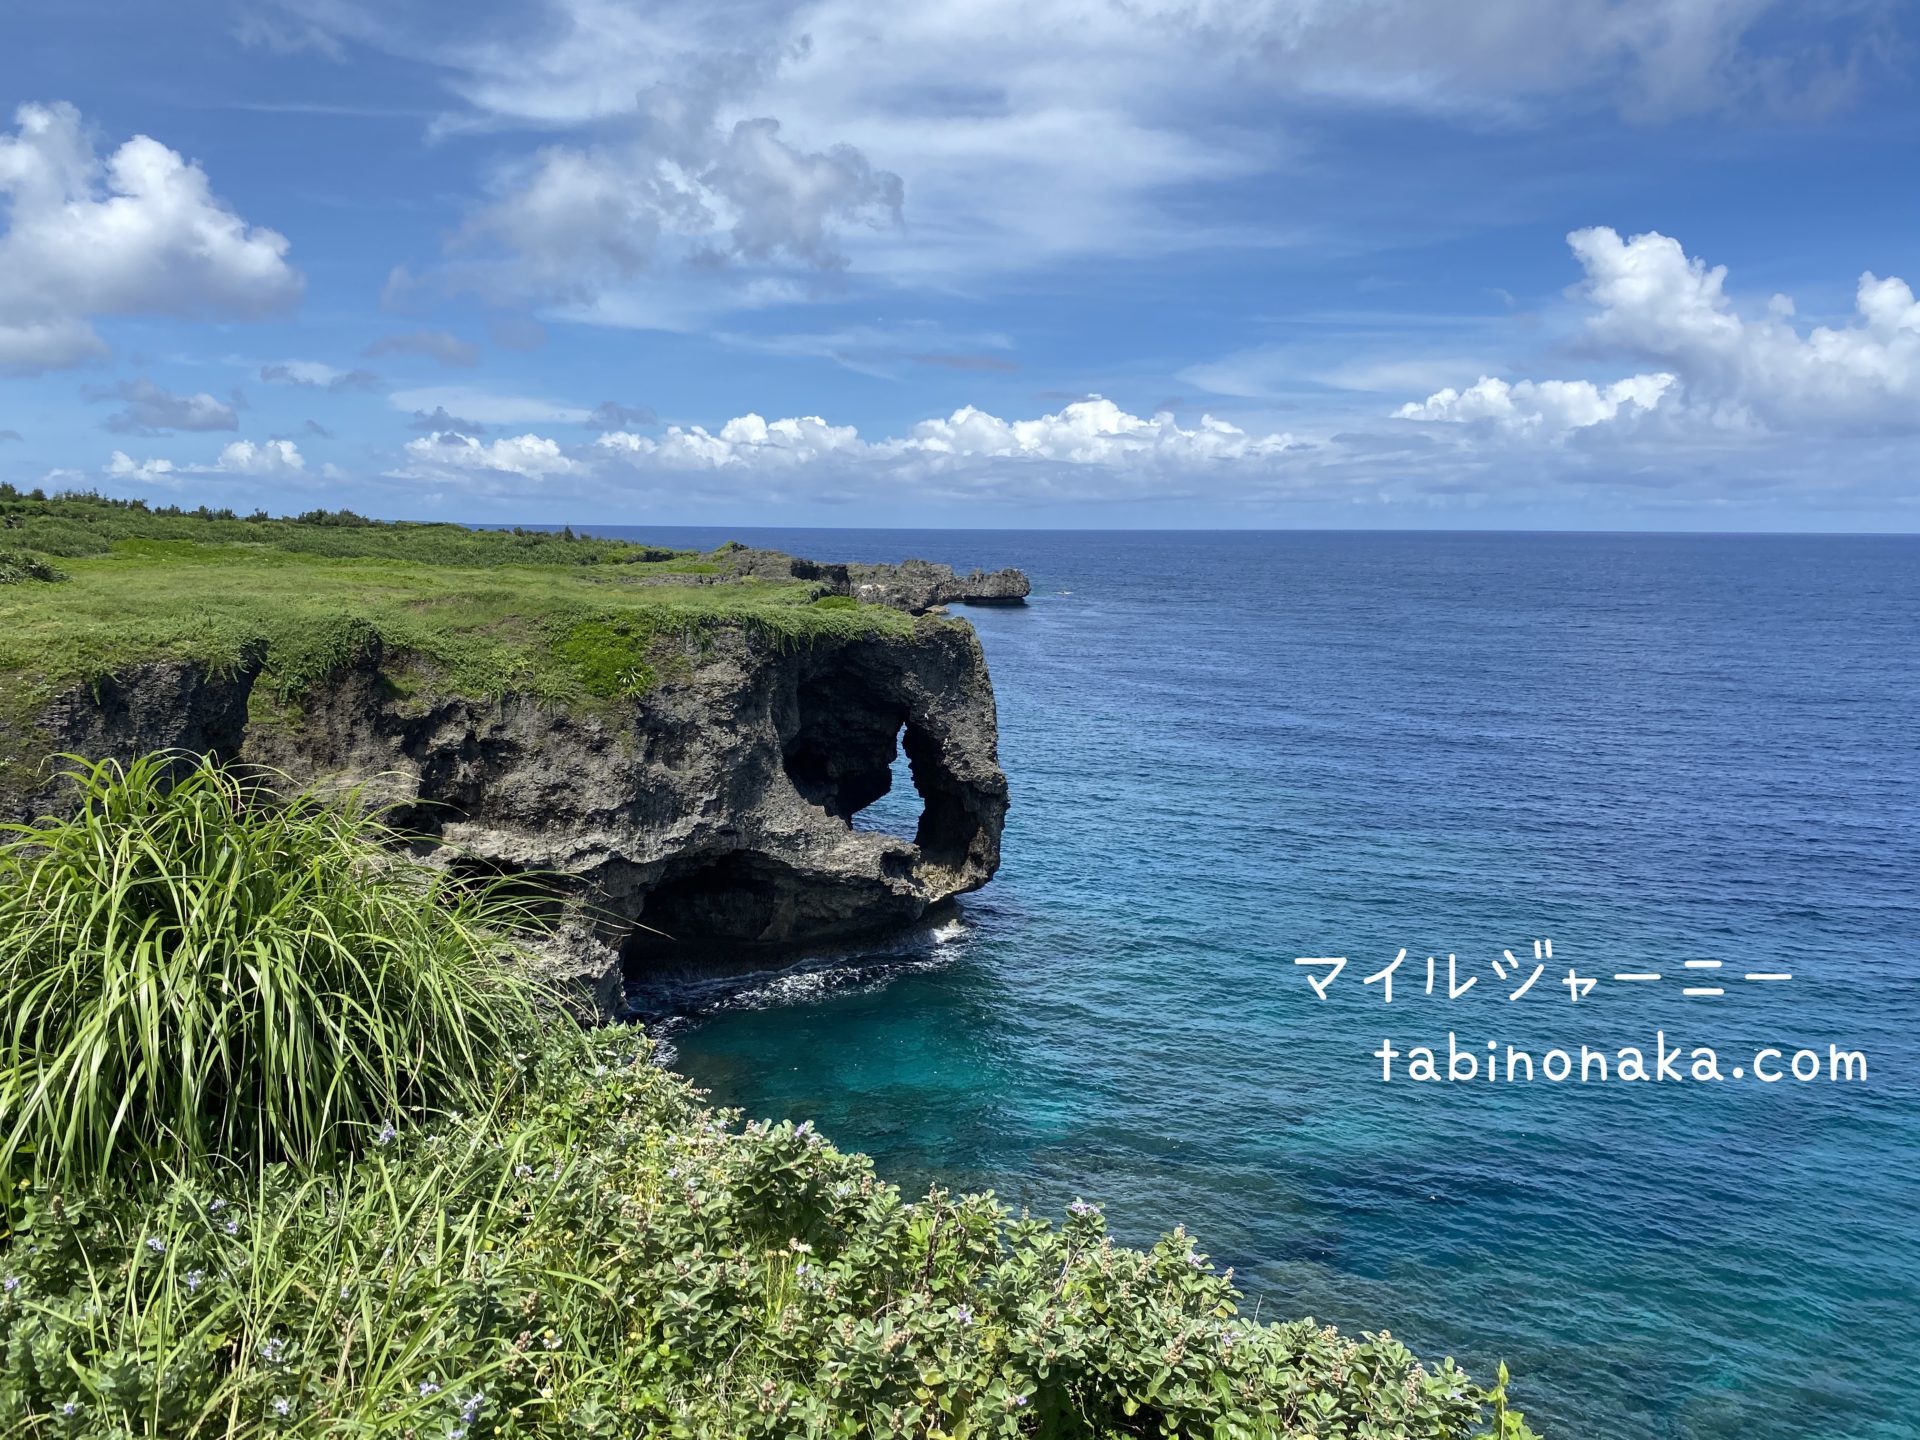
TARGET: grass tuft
(195,970)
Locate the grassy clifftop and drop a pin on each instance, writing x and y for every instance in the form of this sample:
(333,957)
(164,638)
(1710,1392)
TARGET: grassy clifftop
(88,586)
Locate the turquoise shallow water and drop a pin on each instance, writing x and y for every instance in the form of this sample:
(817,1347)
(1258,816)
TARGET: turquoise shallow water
(1227,751)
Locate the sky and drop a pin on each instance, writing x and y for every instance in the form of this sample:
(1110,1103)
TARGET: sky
(1617,264)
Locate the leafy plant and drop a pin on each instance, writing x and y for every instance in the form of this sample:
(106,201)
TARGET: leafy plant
(21,565)
(598,1254)
(194,968)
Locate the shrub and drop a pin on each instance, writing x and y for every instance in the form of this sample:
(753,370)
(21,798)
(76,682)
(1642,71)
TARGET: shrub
(599,1255)
(20,565)
(194,969)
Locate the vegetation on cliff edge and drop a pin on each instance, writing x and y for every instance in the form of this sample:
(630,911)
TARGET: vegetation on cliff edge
(99,585)
(564,1241)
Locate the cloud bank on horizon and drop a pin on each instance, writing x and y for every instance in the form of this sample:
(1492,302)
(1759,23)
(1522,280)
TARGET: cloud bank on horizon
(1241,262)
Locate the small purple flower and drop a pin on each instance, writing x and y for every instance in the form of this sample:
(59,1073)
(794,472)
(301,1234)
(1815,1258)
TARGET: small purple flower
(195,1279)
(470,1411)
(70,1409)
(1019,1402)
(10,1284)
(963,1313)
(282,1406)
(232,1227)
(156,1245)
(427,1387)
(273,1349)
(387,1134)
(1081,1209)
(1196,1262)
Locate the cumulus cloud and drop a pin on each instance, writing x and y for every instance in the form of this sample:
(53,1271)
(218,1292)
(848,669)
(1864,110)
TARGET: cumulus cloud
(317,375)
(1105,446)
(153,410)
(1092,432)
(122,466)
(441,345)
(139,233)
(267,458)
(1733,367)
(577,218)
(1654,300)
(531,456)
(1547,408)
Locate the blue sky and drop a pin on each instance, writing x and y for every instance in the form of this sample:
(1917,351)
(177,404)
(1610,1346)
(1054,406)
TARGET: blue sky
(1633,264)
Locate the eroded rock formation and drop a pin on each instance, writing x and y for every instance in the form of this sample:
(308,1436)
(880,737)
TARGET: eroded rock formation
(919,585)
(916,586)
(714,811)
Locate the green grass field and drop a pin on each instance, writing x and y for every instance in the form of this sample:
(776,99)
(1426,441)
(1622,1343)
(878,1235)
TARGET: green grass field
(89,586)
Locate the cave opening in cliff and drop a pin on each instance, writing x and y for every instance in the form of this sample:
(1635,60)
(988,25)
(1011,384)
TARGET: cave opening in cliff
(741,905)
(857,752)
(727,900)
(845,739)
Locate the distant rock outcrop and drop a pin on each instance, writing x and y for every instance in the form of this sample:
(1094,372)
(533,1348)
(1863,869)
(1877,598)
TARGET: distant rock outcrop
(918,586)
(915,586)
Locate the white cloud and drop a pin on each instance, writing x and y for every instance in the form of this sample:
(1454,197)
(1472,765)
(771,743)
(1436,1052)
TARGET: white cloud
(531,456)
(576,219)
(1093,432)
(1653,300)
(1726,367)
(269,457)
(1547,408)
(1091,449)
(122,466)
(747,442)
(1090,432)
(1023,131)
(139,234)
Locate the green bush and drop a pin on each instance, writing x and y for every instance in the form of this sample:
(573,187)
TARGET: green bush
(21,565)
(599,1255)
(195,970)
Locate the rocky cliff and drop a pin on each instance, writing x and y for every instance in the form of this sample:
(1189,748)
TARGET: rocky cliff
(916,586)
(715,810)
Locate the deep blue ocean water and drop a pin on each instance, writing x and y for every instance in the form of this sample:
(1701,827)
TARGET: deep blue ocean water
(1227,751)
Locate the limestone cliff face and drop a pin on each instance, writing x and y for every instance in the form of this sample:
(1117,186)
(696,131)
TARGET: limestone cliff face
(714,811)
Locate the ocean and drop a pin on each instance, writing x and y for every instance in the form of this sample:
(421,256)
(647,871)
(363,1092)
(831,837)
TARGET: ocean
(1232,751)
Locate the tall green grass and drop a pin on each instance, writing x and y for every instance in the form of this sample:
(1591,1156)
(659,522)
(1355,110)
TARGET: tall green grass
(195,969)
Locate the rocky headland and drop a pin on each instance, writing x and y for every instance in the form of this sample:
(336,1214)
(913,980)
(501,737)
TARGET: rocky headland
(705,807)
